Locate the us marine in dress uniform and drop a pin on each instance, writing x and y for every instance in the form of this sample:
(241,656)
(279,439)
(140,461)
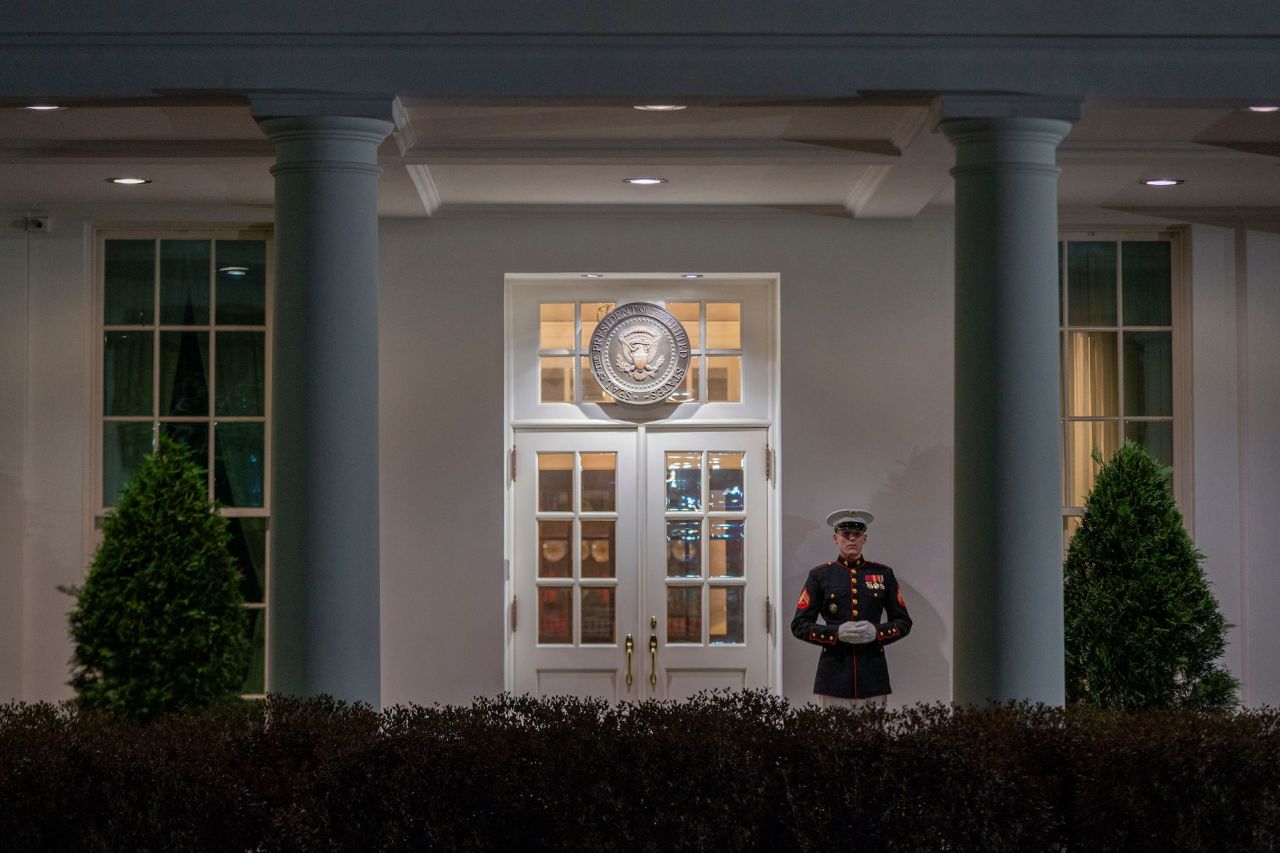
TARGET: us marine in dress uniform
(841,609)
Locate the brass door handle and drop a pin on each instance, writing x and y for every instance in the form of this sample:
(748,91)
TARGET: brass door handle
(653,660)
(631,647)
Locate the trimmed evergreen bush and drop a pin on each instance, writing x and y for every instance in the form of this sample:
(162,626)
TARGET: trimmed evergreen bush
(1143,630)
(159,623)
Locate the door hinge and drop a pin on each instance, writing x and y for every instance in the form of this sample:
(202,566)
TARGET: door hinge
(513,614)
(511,465)
(768,464)
(768,615)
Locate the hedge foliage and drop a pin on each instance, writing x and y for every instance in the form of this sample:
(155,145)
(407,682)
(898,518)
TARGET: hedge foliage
(723,772)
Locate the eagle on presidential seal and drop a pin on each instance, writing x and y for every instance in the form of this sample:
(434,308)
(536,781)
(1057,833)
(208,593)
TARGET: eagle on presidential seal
(639,357)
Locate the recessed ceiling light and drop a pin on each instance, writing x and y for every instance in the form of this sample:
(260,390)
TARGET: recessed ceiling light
(238,272)
(129,181)
(593,275)
(691,275)
(1162,182)
(660,108)
(44,108)
(1264,108)
(644,182)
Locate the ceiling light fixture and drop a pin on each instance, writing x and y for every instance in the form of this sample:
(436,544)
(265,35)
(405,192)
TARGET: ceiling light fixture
(660,108)
(238,272)
(129,181)
(1264,108)
(1161,182)
(593,275)
(644,182)
(44,108)
(691,275)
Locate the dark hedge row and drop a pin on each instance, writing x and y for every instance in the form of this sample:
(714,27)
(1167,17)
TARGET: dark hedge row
(722,773)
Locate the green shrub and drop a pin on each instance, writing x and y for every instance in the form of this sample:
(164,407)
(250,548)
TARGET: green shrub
(159,622)
(1142,627)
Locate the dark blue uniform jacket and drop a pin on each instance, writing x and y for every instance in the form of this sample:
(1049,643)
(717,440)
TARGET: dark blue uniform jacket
(842,591)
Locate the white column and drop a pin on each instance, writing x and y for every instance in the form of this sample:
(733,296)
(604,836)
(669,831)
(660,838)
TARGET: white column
(1008,470)
(323,595)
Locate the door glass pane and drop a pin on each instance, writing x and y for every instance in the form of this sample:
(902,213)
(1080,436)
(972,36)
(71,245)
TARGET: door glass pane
(242,282)
(725,614)
(184,374)
(555,560)
(724,325)
(1083,438)
(1156,437)
(726,481)
(555,325)
(249,549)
(1091,283)
(687,392)
(599,482)
(724,379)
(684,614)
(687,314)
(684,481)
(591,390)
(598,546)
(238,469)
(592,314)
(130,277)
(597,614)
(184,282)
(255,675)
(1148,373)
(725,557)
(555,482)
(684,549)
(1093,375)
(555,614)
(241,373)
(124,446)
(1147,278)
(194,437)
(556,379)
(126,373)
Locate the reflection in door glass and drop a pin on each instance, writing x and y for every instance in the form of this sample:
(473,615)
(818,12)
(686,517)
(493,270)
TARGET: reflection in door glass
(684,481)
(684,614)
(555,482)
(555,614)
(725,550)
(726,481)
(597,614)
(599,482)
(684,549)
(725,617)
(597,549)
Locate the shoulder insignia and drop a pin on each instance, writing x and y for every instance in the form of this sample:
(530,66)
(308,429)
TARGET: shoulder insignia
(804,599)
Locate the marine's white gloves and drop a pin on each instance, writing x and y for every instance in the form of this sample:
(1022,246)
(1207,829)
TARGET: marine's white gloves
(858,632)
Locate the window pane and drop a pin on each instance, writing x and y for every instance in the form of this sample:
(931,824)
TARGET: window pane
(249,550)
(255,682)
(1083,437)
(241,373)
(557,379)
(1094,387)
(724,325)
(555,560)
(687,314)
(184,374)
(597,614)
(684,481)
(592,314)
(126,373)
(1060,255)
(725,614)
(124,446)
(591,390)
(1091,283)
(598,549)
(555,325)
(724,379)
(1146,285)
(684,549)
(688,390)
(555,482)
(726,480)
(238,469)
(130,277)
(725,557)
(194,437)
(599,482)
(1070,524)
(242,282)
(555,614)
(1148,373)
(1156,437)
(184,282)
(684,614)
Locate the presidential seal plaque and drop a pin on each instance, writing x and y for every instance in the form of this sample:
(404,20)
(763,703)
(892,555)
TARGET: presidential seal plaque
(640,353)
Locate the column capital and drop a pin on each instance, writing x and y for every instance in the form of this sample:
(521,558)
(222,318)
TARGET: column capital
(380,106)
(963,105)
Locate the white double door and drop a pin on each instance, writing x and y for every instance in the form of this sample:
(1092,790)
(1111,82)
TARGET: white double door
(640,566)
